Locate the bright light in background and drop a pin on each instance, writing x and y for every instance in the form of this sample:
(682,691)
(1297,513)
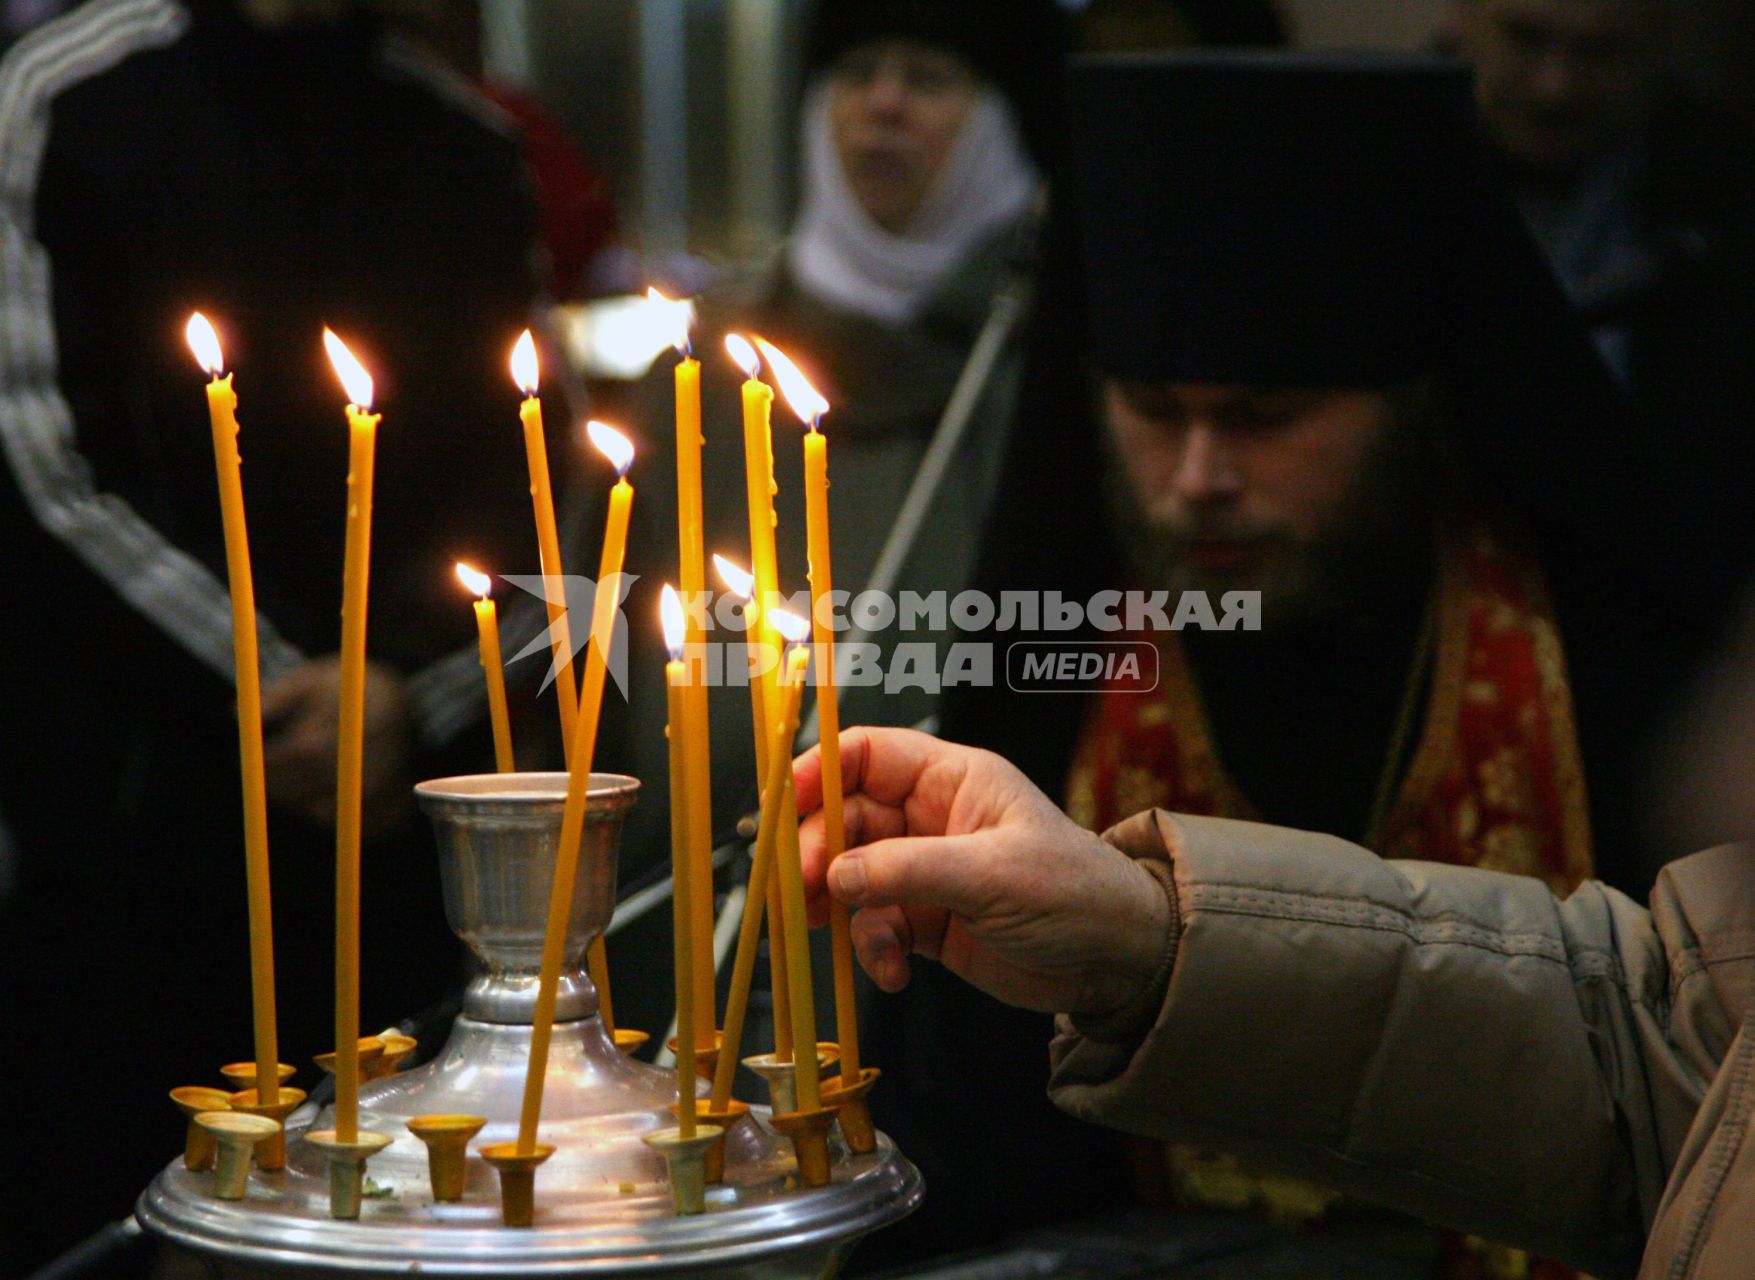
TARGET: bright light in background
(618,338)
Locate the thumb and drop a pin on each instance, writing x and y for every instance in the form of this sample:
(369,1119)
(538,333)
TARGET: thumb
(940,871)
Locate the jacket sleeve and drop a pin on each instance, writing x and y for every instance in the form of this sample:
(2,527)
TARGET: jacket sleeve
(1451,1042)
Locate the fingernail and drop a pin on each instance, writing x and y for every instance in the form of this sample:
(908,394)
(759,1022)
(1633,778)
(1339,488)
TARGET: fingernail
(848,873)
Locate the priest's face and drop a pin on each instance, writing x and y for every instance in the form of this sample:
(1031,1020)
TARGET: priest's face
(895,109)
(1293,493)
(1559,82)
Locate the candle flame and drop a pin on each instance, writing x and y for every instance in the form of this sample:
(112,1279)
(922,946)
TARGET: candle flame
(525,371)
(745,355)
(791,627)
(477,584)
(738,582)
(670,613)
(613,445)
(204,342)
(677,315)
(354,378)
(805,400)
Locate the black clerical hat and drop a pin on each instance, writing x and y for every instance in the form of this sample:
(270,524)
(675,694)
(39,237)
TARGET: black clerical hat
(1316,219)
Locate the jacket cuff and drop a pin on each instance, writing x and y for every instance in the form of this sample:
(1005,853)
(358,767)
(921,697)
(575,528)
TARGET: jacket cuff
(1142,839)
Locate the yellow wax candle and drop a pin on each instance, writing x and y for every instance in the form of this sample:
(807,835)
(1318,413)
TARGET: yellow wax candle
(487,626)
(682,745)
(758,452)
(810,407)
(525,373)
(692,573)
(615,537)
(790,876)
(777,781)
(350,748)
(744,585)
(222,405)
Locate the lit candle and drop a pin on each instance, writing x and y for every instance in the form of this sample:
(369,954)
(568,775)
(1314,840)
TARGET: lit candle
(683,744)
(526,374)
(776,793)
(788,871)
(692,573)
(350,748)
(617,448)
(487,626)
(810,407)
(222,403)
(759,487)
(743,585)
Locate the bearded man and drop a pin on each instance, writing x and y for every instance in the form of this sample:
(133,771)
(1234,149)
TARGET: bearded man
(1319,340)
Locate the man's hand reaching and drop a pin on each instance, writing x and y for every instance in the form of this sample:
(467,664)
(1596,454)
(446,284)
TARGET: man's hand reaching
(953,855)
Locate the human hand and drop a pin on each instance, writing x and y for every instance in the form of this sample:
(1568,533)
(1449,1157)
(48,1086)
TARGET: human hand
(953,855)
(302,709)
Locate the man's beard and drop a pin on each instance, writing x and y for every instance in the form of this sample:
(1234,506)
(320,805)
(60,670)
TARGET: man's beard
(1374,542)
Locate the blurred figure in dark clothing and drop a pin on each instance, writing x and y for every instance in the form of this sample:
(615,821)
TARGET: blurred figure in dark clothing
(279,166)
(1120,26)
(1643,197)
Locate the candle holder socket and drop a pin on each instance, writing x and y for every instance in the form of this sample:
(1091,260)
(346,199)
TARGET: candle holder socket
(272,1154)
(447,1137)
(685,1161)
(198,1144)
(849,1100)
(236,1134)
(517,1179)
(630,1041)
(371,1051)
(397,1048)
(347,1167)
(706,1056)
(242,1075)
(809,1131)
(781,1077)
(725,1121)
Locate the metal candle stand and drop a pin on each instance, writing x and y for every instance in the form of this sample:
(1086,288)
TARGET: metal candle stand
(603,1202)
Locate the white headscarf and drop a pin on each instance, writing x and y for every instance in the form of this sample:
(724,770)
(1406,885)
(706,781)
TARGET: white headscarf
(838,254)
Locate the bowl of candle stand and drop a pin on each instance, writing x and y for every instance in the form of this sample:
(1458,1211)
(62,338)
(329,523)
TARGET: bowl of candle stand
(603,1202)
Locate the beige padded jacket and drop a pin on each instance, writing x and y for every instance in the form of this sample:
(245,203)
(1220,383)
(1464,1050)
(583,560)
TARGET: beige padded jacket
(1573,1077)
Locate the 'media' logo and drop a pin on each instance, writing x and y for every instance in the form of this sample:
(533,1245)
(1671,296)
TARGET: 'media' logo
(1128,666)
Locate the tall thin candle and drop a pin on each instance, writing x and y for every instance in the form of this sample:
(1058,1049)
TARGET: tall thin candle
(621,453)
(487,626)
(682,800)
(222,404)
(350,747)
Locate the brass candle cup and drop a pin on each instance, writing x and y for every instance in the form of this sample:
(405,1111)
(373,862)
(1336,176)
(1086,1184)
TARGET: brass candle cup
(726,1120)
(347,1167)
(396,1049)
(198,1144)
(706,1056)
(242,1075)
(685,1162)
(781,1077)
(630,1041)
(236,1134)
(849,1100)
(272,1154)
(447,1138)
(371,1050)
(517,1179)
(809,1131)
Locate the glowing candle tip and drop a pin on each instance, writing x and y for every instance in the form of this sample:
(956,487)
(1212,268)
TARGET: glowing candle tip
(613,445)
(737,580)
(526,371)
(670,612)
(744,354)
(477,584)
(806,401)
(354,378)
(204,342)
